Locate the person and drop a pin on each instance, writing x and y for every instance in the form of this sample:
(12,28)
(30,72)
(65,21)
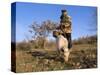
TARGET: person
(65,27)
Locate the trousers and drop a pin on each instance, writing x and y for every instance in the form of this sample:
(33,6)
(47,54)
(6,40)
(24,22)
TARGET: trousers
(68,37)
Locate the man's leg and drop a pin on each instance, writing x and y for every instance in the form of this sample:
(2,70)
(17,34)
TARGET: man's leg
(68,36)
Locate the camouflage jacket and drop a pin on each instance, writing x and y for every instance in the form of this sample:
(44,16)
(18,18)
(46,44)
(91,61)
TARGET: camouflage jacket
(65,26)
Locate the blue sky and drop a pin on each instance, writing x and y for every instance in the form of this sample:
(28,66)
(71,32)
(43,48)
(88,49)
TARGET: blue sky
(83,18)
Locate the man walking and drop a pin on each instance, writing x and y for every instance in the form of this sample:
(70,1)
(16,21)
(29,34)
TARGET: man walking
(65,27)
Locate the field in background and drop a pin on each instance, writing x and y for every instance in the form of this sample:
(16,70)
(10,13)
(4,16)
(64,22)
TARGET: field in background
(83,55)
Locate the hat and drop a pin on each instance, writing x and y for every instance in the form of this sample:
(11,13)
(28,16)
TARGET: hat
(63,10)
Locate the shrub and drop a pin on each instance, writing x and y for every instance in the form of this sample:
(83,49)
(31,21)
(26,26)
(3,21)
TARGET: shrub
(23,46)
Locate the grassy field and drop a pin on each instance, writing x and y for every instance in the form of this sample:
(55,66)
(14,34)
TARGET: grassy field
(81,57)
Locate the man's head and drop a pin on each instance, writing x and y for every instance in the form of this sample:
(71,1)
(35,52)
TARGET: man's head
(64,12)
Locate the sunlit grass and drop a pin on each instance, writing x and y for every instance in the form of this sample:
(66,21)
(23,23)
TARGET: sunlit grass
(50,61)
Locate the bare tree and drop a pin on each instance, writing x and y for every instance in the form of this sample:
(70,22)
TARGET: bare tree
(40,32)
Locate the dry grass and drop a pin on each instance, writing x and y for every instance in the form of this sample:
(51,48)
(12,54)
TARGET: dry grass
(84,57)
